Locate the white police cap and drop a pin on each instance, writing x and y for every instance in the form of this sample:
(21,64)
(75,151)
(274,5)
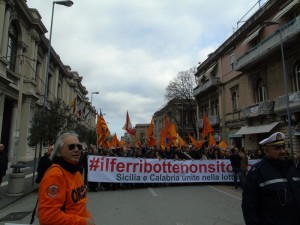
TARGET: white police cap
(274,139)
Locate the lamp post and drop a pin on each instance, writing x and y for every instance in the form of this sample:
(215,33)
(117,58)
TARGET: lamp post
(65,3)
(94,92)
(270,23)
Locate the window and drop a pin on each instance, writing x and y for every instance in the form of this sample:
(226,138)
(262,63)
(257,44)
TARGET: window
(255,41)
(260,91)
(190,118)
(12,48)
(231,59)
(234,99)
(204,110)
(297,77)
(215,107)
(59,87)
(38,72)
(49,86)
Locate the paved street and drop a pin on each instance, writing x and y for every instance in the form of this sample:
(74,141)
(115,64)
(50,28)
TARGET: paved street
(172,205)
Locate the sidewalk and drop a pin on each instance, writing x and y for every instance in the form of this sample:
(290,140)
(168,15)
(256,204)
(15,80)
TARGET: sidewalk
(28,188)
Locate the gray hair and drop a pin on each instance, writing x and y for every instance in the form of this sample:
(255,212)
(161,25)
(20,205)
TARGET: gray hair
(60,143)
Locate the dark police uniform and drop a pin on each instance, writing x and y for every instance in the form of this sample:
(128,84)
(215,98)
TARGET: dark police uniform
(272,191)
(272,194)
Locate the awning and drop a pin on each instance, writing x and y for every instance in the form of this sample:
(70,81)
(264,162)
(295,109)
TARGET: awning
(285,10)
(257,129)
(251,36)
(211,68)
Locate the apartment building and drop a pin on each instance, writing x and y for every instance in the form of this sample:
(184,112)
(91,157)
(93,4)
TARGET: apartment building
(250,86)
(23,66)
(180,113)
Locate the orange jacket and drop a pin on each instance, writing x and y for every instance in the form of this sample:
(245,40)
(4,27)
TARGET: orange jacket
(62,189)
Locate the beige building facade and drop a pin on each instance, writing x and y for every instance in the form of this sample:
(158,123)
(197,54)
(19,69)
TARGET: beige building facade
(141,132)
(23,60)
(245,75)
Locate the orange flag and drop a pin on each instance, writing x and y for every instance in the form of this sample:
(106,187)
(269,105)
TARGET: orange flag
(222,144)
(207,128)
(150,129)
(182,143)
(73,105)
(114,142)
(121,143)
(102,129)
(163,137)
(196,143)
(211,141)
(167,123)
(150,139)
(151,142)
(173,134)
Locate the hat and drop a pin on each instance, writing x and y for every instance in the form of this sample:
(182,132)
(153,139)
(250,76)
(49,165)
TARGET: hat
(274,139)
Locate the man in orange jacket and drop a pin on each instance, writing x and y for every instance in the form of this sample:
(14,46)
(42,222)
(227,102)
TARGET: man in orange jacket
(62,194)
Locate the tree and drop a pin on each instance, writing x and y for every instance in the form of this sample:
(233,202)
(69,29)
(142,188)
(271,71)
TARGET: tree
(86,135)
(182,88)
(48,122)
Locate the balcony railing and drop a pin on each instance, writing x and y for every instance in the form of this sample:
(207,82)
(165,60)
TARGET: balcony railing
(212,82)
(268,45)
(294,103)
(258,109)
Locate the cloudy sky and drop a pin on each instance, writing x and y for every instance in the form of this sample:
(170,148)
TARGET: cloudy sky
(129,50)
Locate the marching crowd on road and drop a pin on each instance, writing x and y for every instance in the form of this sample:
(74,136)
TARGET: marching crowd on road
(271,188)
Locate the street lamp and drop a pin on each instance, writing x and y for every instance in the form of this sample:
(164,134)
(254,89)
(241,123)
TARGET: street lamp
(94,92)
(270,23)
(65,3)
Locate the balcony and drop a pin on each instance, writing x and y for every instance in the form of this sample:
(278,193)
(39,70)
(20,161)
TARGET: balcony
(212,82)
(268,46)
(294,103)
(261,108)
(213,120)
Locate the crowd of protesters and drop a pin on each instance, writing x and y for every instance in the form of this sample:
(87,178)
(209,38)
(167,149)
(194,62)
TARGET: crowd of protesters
(184,153)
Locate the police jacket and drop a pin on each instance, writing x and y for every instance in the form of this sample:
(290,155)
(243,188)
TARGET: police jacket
(62,195)
(272,194)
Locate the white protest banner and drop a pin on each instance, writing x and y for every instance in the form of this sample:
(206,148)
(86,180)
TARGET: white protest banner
(140,170)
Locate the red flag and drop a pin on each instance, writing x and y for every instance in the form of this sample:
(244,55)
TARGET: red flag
(207,128)
(128,127)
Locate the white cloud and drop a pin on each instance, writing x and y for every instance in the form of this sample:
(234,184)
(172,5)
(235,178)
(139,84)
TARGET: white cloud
(130,50)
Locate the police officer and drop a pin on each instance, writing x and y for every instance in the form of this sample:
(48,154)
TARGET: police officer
(272,192)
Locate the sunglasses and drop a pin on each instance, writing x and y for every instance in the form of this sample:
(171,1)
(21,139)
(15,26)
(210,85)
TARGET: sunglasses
(71,147)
